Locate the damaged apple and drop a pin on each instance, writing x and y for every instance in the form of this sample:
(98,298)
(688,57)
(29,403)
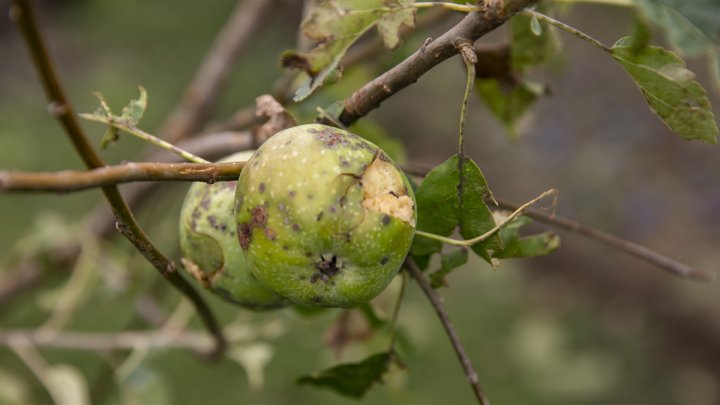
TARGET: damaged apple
(210,251)
(324,216)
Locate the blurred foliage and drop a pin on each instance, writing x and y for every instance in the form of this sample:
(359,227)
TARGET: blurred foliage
(542,331)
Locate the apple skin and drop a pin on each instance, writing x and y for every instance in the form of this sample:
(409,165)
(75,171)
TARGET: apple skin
(210,250)
(324,216)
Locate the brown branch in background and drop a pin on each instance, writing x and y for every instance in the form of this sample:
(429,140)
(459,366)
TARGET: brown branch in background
(201,93)
(99,341)
(437,303)
(472,27)
(76,180)
(641,252)
(60,106)
(624,245)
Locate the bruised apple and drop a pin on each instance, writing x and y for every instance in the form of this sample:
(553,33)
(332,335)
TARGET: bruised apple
(324,216)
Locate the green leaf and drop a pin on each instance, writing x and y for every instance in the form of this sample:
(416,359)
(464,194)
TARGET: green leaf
(670,90)
(103,111)
(535,26)
(510,102)
(448,263)
(682,32)
(704,14)
(439,208)
(336,25)
(352,379)
(515,246)
(530,46)
(133,112)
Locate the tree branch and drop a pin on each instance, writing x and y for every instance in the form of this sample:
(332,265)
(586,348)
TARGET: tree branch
(60,106)
(437,303)
(199,96)
(472,27)
(92,341)
(76,180)
(624,245)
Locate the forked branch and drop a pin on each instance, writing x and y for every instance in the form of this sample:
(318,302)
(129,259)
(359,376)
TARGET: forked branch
(60,106)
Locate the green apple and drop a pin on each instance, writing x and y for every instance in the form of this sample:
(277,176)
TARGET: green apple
(210,249)
(324,216)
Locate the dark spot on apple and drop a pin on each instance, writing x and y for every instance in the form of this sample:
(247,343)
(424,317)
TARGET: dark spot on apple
(386,219)
(261,187)
(331,138)
(286,247)
(259,217)
(310,196)
(244,232)
(212,220)
(270,234)
(384,260)
(296,227)
(292,194)
(287,221)
(328,266)
(319,216)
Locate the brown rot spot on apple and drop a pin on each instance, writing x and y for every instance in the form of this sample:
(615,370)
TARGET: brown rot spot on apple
(244,232)
(259,216)
(270,234)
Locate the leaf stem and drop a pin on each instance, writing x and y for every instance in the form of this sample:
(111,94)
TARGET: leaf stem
(493,231)
(587,38)
(396,312)
(437,303)
(470,57)
(139,133)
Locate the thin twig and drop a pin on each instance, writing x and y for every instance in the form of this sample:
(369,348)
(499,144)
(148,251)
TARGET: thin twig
(585,37)
(198,98)
(624,245)
(126,223)
(76,180)
(437,303)
(140,134)
(472,27)
(491,232)
(104,341)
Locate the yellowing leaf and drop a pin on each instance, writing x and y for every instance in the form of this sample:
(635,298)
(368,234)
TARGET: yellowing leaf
(336,25)
(670,90)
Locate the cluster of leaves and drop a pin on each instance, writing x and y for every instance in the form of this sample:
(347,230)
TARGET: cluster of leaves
(452,197)
(448,202)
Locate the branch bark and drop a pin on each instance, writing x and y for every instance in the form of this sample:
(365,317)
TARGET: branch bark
(437,303)
(77,180)
(472,27)
(641,252)
(61,108)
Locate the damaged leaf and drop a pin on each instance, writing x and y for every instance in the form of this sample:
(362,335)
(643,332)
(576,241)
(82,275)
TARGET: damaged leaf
(336,25)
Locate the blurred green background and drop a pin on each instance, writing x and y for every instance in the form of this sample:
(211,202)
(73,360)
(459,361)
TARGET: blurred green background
(586,325)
